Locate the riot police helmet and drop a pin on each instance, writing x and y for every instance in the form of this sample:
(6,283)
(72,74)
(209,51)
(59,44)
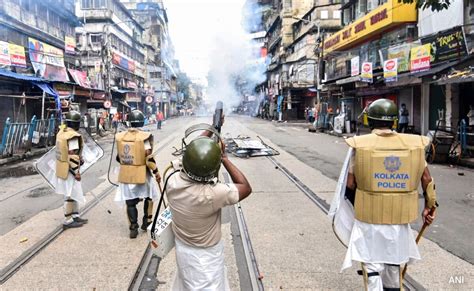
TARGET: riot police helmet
(202,159)
(73,119)
(136,118)
(382,113)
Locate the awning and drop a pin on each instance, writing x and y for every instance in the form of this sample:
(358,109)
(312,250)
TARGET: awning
(17,76)
(348,80)
(437,69)
(122,91)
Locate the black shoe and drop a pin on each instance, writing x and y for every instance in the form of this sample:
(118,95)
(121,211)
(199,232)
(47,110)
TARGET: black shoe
(81,220)
(134,231)
(73,224)
(145,225)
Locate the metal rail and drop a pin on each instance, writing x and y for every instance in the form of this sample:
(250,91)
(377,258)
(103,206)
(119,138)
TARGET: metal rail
(408,284)
(24,258)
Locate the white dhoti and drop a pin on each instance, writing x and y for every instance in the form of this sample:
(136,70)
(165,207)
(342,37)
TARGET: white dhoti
(73,196)
(70,188)
(382,248)
(200,268)
(149,189)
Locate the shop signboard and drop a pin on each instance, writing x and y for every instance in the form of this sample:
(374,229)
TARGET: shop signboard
(355,67)
(47,61)
(80,77)
(123,62)
(367,73)
(70,45)
(390,73)
(446,45)
(4,55)
(402,54)
(420,58)
(17,55)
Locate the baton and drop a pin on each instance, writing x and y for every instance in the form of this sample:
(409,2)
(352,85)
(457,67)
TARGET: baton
(418,238)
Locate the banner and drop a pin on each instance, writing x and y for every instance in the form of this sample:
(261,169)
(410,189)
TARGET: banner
(47,61)
(80,78)
(17,55)
(367,75)
(123,62)
(4,55)
(402,54)
(70,45)
(446,45)
(390,73)
(355,70)
(420,58)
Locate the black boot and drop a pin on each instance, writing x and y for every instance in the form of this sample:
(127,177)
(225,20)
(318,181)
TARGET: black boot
(81,220)
(132,214)
(147,213)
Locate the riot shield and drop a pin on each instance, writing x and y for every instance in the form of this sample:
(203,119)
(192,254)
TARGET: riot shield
(114,165)
(91,153)
(342,211)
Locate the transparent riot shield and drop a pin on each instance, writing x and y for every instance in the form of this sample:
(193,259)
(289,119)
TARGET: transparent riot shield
(342,211)
(114,165)
(91,153)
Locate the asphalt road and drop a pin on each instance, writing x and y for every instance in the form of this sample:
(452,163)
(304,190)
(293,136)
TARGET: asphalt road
(24,193)
(452,229)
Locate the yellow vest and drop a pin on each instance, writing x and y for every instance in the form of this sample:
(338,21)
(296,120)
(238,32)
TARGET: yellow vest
(388,167)
(132,156)
(62,150)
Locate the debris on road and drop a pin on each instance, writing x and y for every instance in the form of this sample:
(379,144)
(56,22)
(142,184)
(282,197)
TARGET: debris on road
(245,147)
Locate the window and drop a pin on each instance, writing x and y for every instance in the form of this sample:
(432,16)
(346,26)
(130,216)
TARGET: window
(155,75)
(336,14)
(88,4)
(324,14)
(96,38)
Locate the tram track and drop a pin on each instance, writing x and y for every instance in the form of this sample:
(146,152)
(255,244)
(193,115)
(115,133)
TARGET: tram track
(408,284)
(26,256)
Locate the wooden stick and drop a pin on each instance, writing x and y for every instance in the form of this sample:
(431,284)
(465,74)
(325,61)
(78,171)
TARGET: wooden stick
(418,238)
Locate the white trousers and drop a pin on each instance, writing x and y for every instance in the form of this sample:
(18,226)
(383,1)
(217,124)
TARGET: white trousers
(389,276)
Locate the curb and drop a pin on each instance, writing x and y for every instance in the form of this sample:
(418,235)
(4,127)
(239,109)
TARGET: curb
(26,155)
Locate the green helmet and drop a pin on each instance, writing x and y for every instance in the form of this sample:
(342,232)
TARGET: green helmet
(136,118)
(202,159)
(73,119)
(383,110)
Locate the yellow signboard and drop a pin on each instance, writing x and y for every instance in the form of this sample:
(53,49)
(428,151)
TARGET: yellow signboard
(383,17)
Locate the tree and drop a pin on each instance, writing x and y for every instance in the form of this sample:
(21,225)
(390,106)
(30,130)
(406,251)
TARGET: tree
(435,5)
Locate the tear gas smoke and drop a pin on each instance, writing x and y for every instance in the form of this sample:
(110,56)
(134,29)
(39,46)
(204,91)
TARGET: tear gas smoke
(235,67)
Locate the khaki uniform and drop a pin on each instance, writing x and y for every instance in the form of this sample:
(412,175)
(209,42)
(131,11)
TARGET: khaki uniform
(387,167)
(196,211)
(69,145)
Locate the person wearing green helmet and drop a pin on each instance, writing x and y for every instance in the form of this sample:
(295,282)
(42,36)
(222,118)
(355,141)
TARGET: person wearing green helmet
(69,145)
(196,197)
(137,168)
(385,169)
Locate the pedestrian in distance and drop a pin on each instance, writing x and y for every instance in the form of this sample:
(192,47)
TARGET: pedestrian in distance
(382,183)
(69,145)
(196,197)
(403,119)
(159,119)
(137,168)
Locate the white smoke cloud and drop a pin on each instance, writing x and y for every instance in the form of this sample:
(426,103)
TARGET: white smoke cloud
(234,65)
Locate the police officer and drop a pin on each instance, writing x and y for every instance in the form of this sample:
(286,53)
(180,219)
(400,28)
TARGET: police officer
(137,166)
(196,198)
(69,145)
(384,175)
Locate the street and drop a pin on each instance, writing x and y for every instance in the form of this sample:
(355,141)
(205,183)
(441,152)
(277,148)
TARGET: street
(289,235)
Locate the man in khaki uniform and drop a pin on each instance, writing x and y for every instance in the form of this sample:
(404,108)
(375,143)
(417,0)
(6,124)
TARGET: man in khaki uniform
(137,165)
(384,175)
(196,198)
(69,145)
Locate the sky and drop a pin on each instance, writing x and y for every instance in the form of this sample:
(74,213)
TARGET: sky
(194,26)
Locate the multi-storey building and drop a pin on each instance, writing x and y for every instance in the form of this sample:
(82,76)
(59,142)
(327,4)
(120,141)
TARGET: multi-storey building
(111,50)
(36,39)
(160,73)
